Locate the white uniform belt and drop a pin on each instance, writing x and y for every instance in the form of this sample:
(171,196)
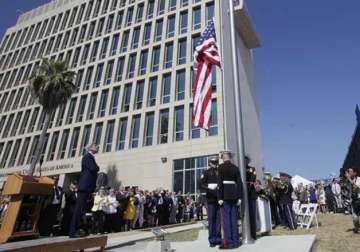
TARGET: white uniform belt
(212,184)
(227,182)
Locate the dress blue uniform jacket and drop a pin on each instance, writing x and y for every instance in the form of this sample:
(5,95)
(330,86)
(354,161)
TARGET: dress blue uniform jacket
(88,176)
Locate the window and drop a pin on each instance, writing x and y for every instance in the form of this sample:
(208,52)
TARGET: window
(143,62)
(97,8)
(85,54)
(74,142)
(139,13)
(152,92)
(91,30)
(82,33)
(81,13)
(187,174)
(172,5)
(168,55)
(105,6)
(180,85)
(81,110)
(121,134)
(129,16)
(88,78)
(179,123)
(182,52)
(155,59)
(109,136)
(213,79)
(161,7)
(131,66)
(104,48)
(114,44)
(57,44)
(150,9)
(166,89)
(209,11)
(114,101)
(8,126)
(119,19)
(213,130)
(53,144)
(14,153)
(71,111)
(109,24)
(135,131)
(92,105)
(103,102)
(60,116)
(183,22)
(126,98)
(135,38)
(33,120)
(6,154)
(164,126)
(196,18)
(171,27)
(147,34)
(195,42)
(23,152)
(66,17)
(125,41)
(63,144)
(149,129)
(94,51)
(66,40)
(32,149)
(16,124)
(85,139)
(97,133)
(100,27)
(139,94)
(24,122)
(76,57)
(158,30)
(98,75)
(109,71)
(2,121)
(119,69)
(57,24)
(195,132)
(114,4)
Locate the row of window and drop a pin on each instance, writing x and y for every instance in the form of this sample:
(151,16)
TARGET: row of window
(99,49)
(66,20)
(111,137)
(107,102)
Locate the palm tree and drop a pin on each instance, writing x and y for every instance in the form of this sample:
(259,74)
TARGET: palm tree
(52,85)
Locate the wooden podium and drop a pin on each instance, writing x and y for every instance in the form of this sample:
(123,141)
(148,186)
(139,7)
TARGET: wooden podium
(26,197)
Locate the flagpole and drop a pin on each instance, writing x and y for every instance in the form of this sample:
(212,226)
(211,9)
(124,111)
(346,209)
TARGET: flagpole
(246,236)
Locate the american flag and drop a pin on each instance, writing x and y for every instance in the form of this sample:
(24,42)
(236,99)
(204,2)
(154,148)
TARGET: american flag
(205,56)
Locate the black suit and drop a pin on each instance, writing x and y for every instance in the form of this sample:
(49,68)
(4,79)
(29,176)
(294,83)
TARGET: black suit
(87,184)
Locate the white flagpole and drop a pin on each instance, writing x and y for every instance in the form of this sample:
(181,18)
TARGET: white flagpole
(247,239)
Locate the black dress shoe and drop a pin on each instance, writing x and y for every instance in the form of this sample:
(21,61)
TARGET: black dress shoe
(225,247)
(78,235)
(212,245)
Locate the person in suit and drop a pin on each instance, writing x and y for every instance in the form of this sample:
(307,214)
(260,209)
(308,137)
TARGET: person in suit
(87,185)
(68,206)
(229,199)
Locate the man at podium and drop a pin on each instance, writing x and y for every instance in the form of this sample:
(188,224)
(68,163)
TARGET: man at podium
(87,185)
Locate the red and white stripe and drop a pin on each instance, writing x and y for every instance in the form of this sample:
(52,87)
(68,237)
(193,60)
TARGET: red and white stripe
(206,55)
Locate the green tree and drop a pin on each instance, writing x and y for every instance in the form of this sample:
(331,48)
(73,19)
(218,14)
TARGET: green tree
(51,85)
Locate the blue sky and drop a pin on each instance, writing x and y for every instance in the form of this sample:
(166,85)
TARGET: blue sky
(307,77)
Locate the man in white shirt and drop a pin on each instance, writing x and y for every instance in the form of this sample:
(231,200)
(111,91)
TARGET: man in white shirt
(354,180)
(336,190)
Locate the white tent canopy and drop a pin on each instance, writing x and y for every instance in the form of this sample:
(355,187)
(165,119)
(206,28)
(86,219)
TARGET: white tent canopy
(296,180)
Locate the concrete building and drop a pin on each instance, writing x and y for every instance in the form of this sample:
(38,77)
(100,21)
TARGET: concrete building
(133,60)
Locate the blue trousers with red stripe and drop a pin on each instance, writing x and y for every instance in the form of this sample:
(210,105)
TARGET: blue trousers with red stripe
(230,225)
(213,212)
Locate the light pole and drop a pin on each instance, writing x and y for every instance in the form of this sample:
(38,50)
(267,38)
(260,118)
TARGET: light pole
(246,236)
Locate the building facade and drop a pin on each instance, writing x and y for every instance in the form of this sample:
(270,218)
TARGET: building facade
(133,60)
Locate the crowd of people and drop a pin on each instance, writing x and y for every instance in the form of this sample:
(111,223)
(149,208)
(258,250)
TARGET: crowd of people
(115,210)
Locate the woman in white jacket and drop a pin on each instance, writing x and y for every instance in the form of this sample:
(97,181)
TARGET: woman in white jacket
(111,210)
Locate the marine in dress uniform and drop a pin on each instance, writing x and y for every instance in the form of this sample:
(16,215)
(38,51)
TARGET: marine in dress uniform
(209,182)
(252,195)
(229,196)
(286,201)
